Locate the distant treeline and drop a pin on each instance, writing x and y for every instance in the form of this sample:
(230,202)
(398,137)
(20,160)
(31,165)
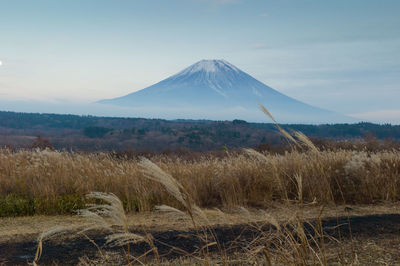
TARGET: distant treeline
(343,131)
(90,133)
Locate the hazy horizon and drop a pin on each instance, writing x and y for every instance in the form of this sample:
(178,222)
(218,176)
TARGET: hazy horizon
(343,56)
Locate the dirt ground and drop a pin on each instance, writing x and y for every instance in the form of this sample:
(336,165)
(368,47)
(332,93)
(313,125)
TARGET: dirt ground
(372,232)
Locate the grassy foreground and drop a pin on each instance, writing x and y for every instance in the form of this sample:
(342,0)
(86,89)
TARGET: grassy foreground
(53,182)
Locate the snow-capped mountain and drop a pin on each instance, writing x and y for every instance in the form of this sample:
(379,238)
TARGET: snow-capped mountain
(216,89)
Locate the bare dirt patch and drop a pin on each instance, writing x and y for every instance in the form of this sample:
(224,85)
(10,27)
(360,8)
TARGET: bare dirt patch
(371,232)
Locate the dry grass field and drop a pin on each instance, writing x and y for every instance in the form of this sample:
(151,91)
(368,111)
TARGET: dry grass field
(51,182)
(300,208)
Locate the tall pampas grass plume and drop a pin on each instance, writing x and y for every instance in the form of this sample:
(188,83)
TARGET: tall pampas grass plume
(110,216)
(174,188)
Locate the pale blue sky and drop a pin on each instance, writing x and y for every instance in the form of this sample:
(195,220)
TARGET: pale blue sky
(343,55)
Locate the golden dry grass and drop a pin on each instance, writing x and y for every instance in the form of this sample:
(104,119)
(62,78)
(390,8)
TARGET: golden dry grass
(52,182)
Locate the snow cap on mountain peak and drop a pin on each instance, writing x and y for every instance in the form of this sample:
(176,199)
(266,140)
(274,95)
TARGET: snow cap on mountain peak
(209,66)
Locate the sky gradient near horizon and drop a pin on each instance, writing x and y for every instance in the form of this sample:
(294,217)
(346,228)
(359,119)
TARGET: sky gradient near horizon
(341,55)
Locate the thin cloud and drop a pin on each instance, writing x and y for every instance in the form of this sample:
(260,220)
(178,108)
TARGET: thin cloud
(223,1)
(214,5)
(387,116)
(259,46)
(220,2)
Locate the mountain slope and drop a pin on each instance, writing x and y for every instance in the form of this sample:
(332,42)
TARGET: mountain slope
(216,89)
